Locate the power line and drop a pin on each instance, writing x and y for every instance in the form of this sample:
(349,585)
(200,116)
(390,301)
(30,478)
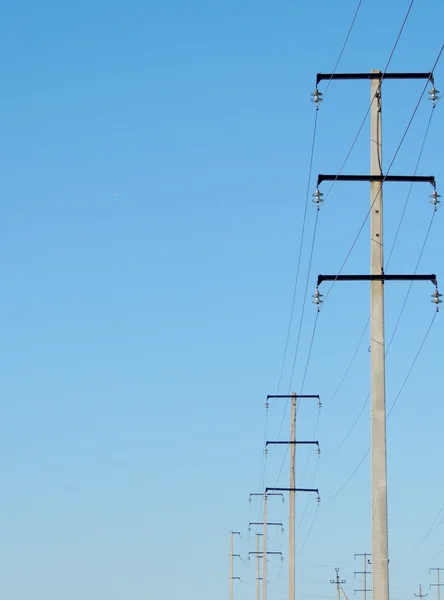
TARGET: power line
(411,185)
(304,219)
(377,195)
(394,402)
(395,329)
(350,364)
(344,45)
(355,139)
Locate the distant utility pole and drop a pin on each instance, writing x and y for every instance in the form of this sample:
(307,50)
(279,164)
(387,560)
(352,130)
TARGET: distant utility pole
(420,595)
(232,555)
(377,279)
(365,572)
(338,582)
(258,567)
(258,553)
(292,488)
(265,553)
(438,585)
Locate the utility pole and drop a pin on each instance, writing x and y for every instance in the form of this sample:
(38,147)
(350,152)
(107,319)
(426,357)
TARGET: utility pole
(292,488)
(264,564)
(377,279)
(338,582)
(259,554)
(420,595)
(266,495)
(438,585)
(365,572)
(232,555)
(258,568)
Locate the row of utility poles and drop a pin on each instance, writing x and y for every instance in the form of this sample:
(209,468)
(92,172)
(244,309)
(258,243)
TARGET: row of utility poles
(377,278)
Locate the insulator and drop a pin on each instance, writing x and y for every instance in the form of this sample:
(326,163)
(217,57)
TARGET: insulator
(319,451)
(436,297)
(267,405)
(434,95)
(318,499)
(435,198)
(317,298)
(317,97)
(317,197)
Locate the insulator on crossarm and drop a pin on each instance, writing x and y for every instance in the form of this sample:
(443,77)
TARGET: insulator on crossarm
(434,95)
(435,199)
(436,298)
(317,298)
(317,97)
(318,197)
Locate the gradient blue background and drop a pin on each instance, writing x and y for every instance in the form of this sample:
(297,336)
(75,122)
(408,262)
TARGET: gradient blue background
(154,165)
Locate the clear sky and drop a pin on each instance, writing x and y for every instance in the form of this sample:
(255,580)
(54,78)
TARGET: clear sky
(154,169)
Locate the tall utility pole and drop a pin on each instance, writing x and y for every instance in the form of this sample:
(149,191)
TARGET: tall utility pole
(232,555)
(292,488)
(377,278)
(365,572)
(420,595)
(438,585)
(338,582)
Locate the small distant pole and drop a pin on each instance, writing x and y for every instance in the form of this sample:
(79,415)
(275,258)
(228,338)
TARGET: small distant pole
(365,572)
(420,595)
(438,585)
(338,582)
(232,555)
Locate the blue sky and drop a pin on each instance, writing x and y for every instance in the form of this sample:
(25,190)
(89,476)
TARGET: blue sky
(154,172)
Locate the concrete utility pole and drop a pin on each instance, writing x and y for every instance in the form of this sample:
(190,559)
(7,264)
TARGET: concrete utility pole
(438,585)
(338,582)
(420,595)
(264,564)
(365,572)
(258,567)
(259,554)
(377,278)
(292,489)
(232,533)
(266,495)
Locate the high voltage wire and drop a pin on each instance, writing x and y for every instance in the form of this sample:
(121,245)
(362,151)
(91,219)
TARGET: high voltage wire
(377,194)
(396,325)
(350,364)
(344,45)
(387,172)
(394,402)
(406,297)
(304,219)
(263,460)
(355,139)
